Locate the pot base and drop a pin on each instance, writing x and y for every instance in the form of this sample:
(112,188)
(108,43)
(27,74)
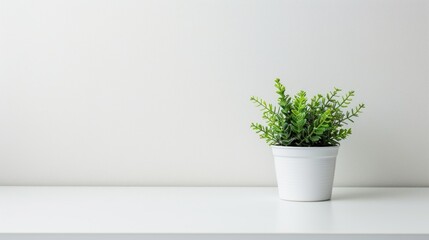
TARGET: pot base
(289,200)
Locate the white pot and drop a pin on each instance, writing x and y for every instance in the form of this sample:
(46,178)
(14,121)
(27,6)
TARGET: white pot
(305,173)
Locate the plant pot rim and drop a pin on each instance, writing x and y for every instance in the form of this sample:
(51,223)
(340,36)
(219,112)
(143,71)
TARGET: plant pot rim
(303,148)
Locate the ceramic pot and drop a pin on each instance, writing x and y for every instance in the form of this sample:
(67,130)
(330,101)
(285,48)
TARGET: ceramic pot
(305,173)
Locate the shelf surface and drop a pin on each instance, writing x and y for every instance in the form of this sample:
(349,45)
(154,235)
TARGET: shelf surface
(207,210)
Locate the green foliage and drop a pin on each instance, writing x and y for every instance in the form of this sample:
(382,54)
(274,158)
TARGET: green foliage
(298,121)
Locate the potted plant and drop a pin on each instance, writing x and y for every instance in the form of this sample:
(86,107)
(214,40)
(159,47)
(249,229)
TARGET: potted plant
(305,136)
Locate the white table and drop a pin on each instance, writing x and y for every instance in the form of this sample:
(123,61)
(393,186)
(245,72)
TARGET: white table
(210,213)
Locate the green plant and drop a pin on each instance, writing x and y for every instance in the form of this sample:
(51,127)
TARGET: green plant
(299,121)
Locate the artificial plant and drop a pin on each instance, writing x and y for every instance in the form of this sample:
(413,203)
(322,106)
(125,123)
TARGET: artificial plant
(300,121)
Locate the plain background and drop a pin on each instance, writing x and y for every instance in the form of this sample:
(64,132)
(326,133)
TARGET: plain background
(156,92)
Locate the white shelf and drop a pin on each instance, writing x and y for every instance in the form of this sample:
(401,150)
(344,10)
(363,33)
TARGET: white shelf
(229,212)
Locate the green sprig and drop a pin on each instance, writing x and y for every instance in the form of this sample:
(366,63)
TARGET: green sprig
(296,121)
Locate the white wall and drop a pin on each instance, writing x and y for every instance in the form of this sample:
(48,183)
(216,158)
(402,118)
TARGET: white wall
(157,92)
